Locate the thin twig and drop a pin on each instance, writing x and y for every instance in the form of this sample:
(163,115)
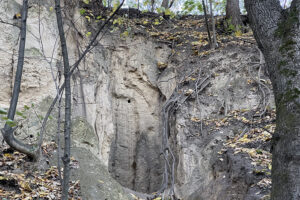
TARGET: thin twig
(197,97)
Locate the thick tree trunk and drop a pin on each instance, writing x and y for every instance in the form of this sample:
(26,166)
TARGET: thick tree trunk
(67,124)
(233,12)
(278,36)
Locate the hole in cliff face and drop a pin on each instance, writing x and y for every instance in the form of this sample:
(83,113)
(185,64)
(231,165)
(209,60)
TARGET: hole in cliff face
(133,165)
(129,101)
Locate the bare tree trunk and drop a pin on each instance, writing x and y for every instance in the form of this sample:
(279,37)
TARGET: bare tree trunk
(206,22)
(67,123)
(58,141)
(165,4)
(152,5)
(278,36)
(233,12)
(8,131)
(98,4)
(213,26)
(101,3)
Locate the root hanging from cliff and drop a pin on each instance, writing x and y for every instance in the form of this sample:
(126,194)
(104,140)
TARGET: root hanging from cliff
(171,105)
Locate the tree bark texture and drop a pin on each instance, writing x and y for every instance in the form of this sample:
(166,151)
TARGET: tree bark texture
(206,23)
(278,36)
(233,12)
(8,131)
(67,123)
(98,4)
(213,24)
(165,4)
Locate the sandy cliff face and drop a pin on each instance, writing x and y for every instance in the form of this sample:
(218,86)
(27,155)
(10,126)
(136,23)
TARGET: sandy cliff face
(36,76)
(116,90)
(123,102)
(120,90)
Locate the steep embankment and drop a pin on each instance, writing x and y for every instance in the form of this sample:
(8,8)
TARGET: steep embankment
(222,105)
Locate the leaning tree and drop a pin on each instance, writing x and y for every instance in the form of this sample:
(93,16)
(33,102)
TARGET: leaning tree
(277,33)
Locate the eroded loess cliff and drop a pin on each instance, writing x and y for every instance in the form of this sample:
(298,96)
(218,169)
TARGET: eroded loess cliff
(120,90)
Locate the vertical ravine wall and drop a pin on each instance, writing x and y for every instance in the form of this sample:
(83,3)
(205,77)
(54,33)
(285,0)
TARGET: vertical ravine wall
(123,102)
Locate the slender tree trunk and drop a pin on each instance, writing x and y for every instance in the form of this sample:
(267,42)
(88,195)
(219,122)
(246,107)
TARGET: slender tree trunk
(171,4)
(214,43)
(8,131)
(67,123)
(165,4)
(98,4)
(206,22)
(152,5)
(58,141)
(101,4)
(233,12)
(278,36)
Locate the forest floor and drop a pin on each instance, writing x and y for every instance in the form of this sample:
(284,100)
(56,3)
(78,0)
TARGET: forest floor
(20,178)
